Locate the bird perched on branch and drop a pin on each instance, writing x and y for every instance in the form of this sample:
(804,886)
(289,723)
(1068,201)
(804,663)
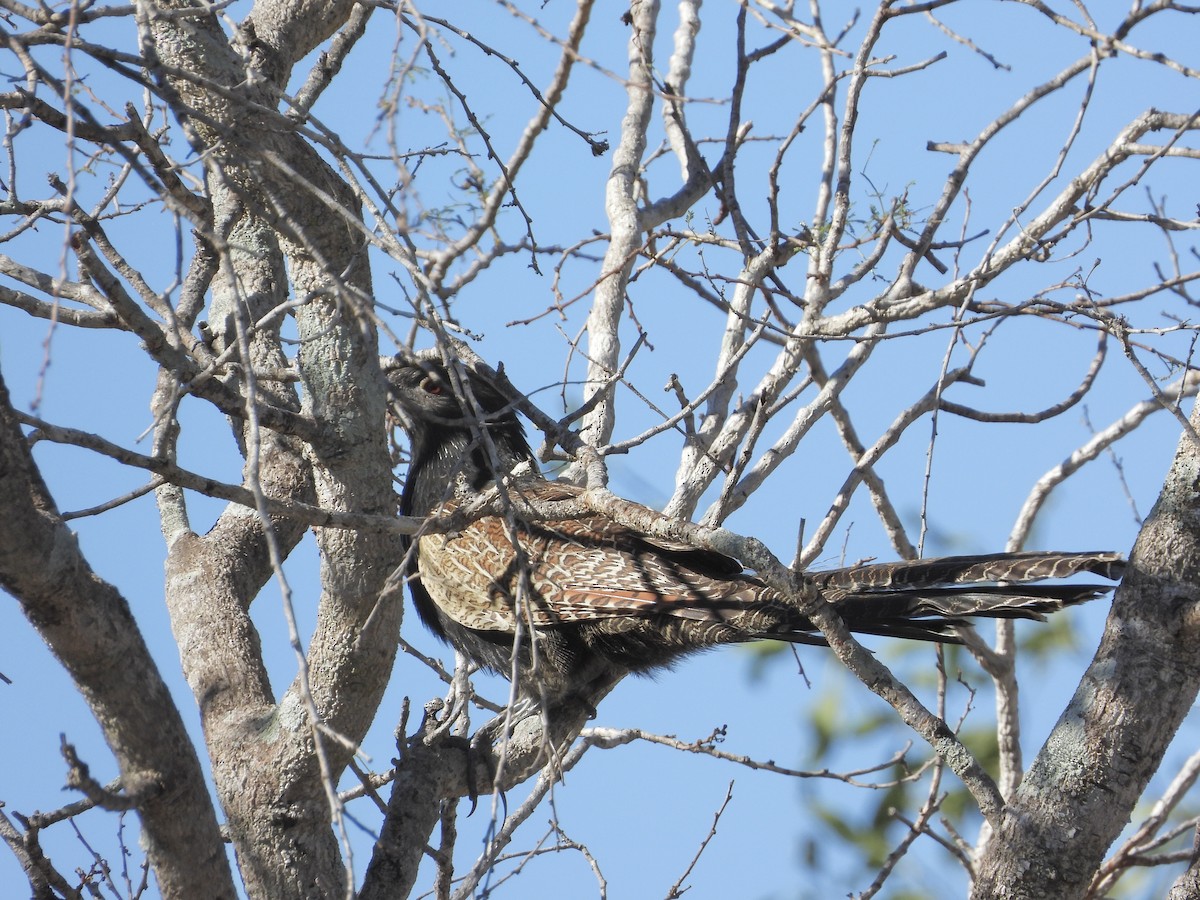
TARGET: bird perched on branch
(570,606)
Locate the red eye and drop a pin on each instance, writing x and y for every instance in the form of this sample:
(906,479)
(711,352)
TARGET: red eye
(431,386)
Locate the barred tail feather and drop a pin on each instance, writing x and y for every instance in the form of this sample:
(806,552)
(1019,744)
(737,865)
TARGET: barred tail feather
(929,599)
(1013,568)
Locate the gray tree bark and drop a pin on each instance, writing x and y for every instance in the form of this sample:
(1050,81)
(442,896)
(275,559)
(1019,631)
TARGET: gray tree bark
(274,199)
(1081,789)
(90,629)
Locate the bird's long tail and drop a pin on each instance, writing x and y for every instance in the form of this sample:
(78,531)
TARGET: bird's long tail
(929,599)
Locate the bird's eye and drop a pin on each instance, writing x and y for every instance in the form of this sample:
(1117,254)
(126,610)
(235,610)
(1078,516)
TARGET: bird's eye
(430,385)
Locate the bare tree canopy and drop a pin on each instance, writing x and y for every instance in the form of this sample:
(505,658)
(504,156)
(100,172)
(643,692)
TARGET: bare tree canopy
(785,285)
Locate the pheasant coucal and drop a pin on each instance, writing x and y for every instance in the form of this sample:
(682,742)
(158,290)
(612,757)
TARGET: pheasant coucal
(586,601)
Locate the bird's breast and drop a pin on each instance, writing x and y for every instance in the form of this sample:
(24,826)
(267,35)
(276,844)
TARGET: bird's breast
(462,581)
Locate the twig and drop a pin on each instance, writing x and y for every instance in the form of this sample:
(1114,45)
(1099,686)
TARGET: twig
(677,890)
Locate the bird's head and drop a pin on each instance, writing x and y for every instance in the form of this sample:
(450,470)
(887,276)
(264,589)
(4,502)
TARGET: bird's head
(447,420)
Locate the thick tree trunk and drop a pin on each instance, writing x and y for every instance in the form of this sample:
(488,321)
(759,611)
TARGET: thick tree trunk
(274,198)
(89,627)
(1081,789)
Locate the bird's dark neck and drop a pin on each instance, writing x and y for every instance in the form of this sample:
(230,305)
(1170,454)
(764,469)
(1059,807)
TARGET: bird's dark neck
(444,458)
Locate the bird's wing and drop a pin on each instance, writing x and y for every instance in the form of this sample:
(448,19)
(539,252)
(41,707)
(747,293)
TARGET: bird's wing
(572,570)
(600,528)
